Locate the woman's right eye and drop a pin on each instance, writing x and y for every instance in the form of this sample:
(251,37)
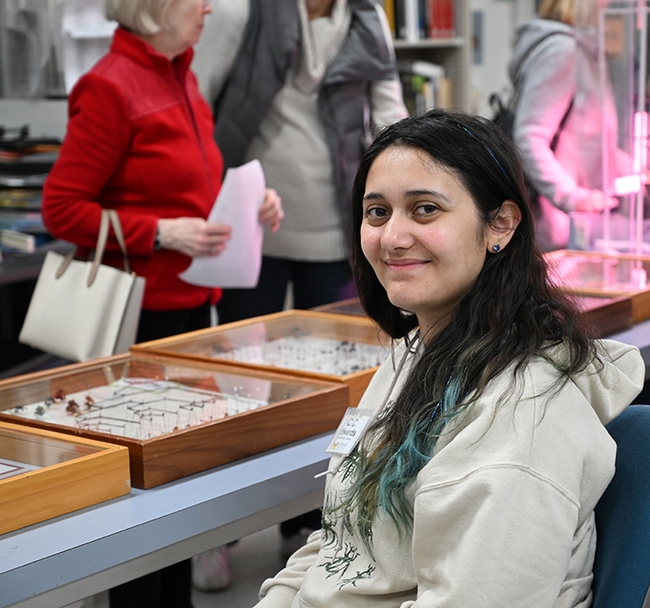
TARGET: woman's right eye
(375,213)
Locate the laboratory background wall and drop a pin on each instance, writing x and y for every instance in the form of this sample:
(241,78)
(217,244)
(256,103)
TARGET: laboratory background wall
(492,24)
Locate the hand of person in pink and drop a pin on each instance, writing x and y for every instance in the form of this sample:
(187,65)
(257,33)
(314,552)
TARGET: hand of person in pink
(596,201)
(193,236)
(271,213)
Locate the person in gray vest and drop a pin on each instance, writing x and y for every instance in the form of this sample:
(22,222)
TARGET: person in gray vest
(310,84)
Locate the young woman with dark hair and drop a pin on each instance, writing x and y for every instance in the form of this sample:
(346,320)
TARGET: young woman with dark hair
(475,480)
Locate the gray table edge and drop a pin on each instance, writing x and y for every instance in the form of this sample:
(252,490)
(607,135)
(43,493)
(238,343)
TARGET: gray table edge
(65,559)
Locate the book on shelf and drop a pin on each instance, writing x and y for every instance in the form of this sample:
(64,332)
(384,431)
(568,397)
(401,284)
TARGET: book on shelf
(399,18)
(18,241)
(389,8)
(411,31)
(22,230)
(22,221)
(21,198)
(424,85)
(441,21)
(414,20)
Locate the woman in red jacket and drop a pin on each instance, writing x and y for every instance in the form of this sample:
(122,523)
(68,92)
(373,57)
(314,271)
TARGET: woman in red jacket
(140,140)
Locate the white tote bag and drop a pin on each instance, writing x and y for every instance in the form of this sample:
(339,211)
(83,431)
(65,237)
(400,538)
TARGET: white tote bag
(84,310)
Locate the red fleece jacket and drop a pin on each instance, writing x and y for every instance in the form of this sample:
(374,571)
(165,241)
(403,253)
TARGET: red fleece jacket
(139,140)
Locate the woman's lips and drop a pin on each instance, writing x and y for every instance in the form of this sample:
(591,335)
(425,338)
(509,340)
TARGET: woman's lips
(403,265)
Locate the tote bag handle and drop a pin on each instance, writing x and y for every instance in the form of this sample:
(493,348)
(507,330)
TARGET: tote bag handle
(109,216)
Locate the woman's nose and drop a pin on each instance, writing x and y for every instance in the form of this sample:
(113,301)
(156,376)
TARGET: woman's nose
(396,233)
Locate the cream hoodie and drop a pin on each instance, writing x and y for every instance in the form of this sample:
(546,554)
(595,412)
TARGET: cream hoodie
(503,511)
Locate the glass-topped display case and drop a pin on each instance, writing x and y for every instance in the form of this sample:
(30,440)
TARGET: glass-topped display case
(177,417)
(45,474)
(325,346)
(610,123)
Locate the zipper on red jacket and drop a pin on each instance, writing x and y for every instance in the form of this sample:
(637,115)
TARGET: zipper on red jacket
(195,127)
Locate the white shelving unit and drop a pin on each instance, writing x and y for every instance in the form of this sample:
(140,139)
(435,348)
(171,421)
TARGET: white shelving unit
(453,54)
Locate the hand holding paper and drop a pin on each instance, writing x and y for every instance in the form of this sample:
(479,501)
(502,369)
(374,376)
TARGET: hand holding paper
(238,204)
(192,236)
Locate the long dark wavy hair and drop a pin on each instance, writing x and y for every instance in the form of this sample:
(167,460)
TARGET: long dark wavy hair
(511,314)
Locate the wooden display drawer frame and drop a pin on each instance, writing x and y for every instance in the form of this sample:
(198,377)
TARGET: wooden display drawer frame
(289,409)
(350,306)
(46,474)
(579,285)
(606,315)
(207,344)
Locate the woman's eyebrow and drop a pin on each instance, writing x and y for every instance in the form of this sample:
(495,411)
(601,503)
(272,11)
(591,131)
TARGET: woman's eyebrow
(426,192)
(373,196)
(378,196)
(415,192)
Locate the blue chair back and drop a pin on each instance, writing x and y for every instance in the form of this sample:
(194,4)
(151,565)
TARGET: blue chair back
(622,564)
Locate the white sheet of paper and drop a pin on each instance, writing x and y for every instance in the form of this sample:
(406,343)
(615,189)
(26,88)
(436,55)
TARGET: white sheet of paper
(239,200)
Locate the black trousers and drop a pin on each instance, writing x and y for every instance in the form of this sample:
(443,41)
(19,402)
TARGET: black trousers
(170,587)
(314,284)
(157,324)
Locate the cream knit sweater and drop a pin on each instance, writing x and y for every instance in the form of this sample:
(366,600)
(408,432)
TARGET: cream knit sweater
(292,148)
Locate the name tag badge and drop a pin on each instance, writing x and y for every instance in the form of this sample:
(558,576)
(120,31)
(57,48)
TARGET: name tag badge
(349,432)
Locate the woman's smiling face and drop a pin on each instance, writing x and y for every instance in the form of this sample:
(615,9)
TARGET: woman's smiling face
(421,233)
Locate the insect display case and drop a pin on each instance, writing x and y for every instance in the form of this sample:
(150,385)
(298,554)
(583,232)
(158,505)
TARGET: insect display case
(324,346)
(176,417)
(351,306)
(601,283)
(609,251)
(45,474)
